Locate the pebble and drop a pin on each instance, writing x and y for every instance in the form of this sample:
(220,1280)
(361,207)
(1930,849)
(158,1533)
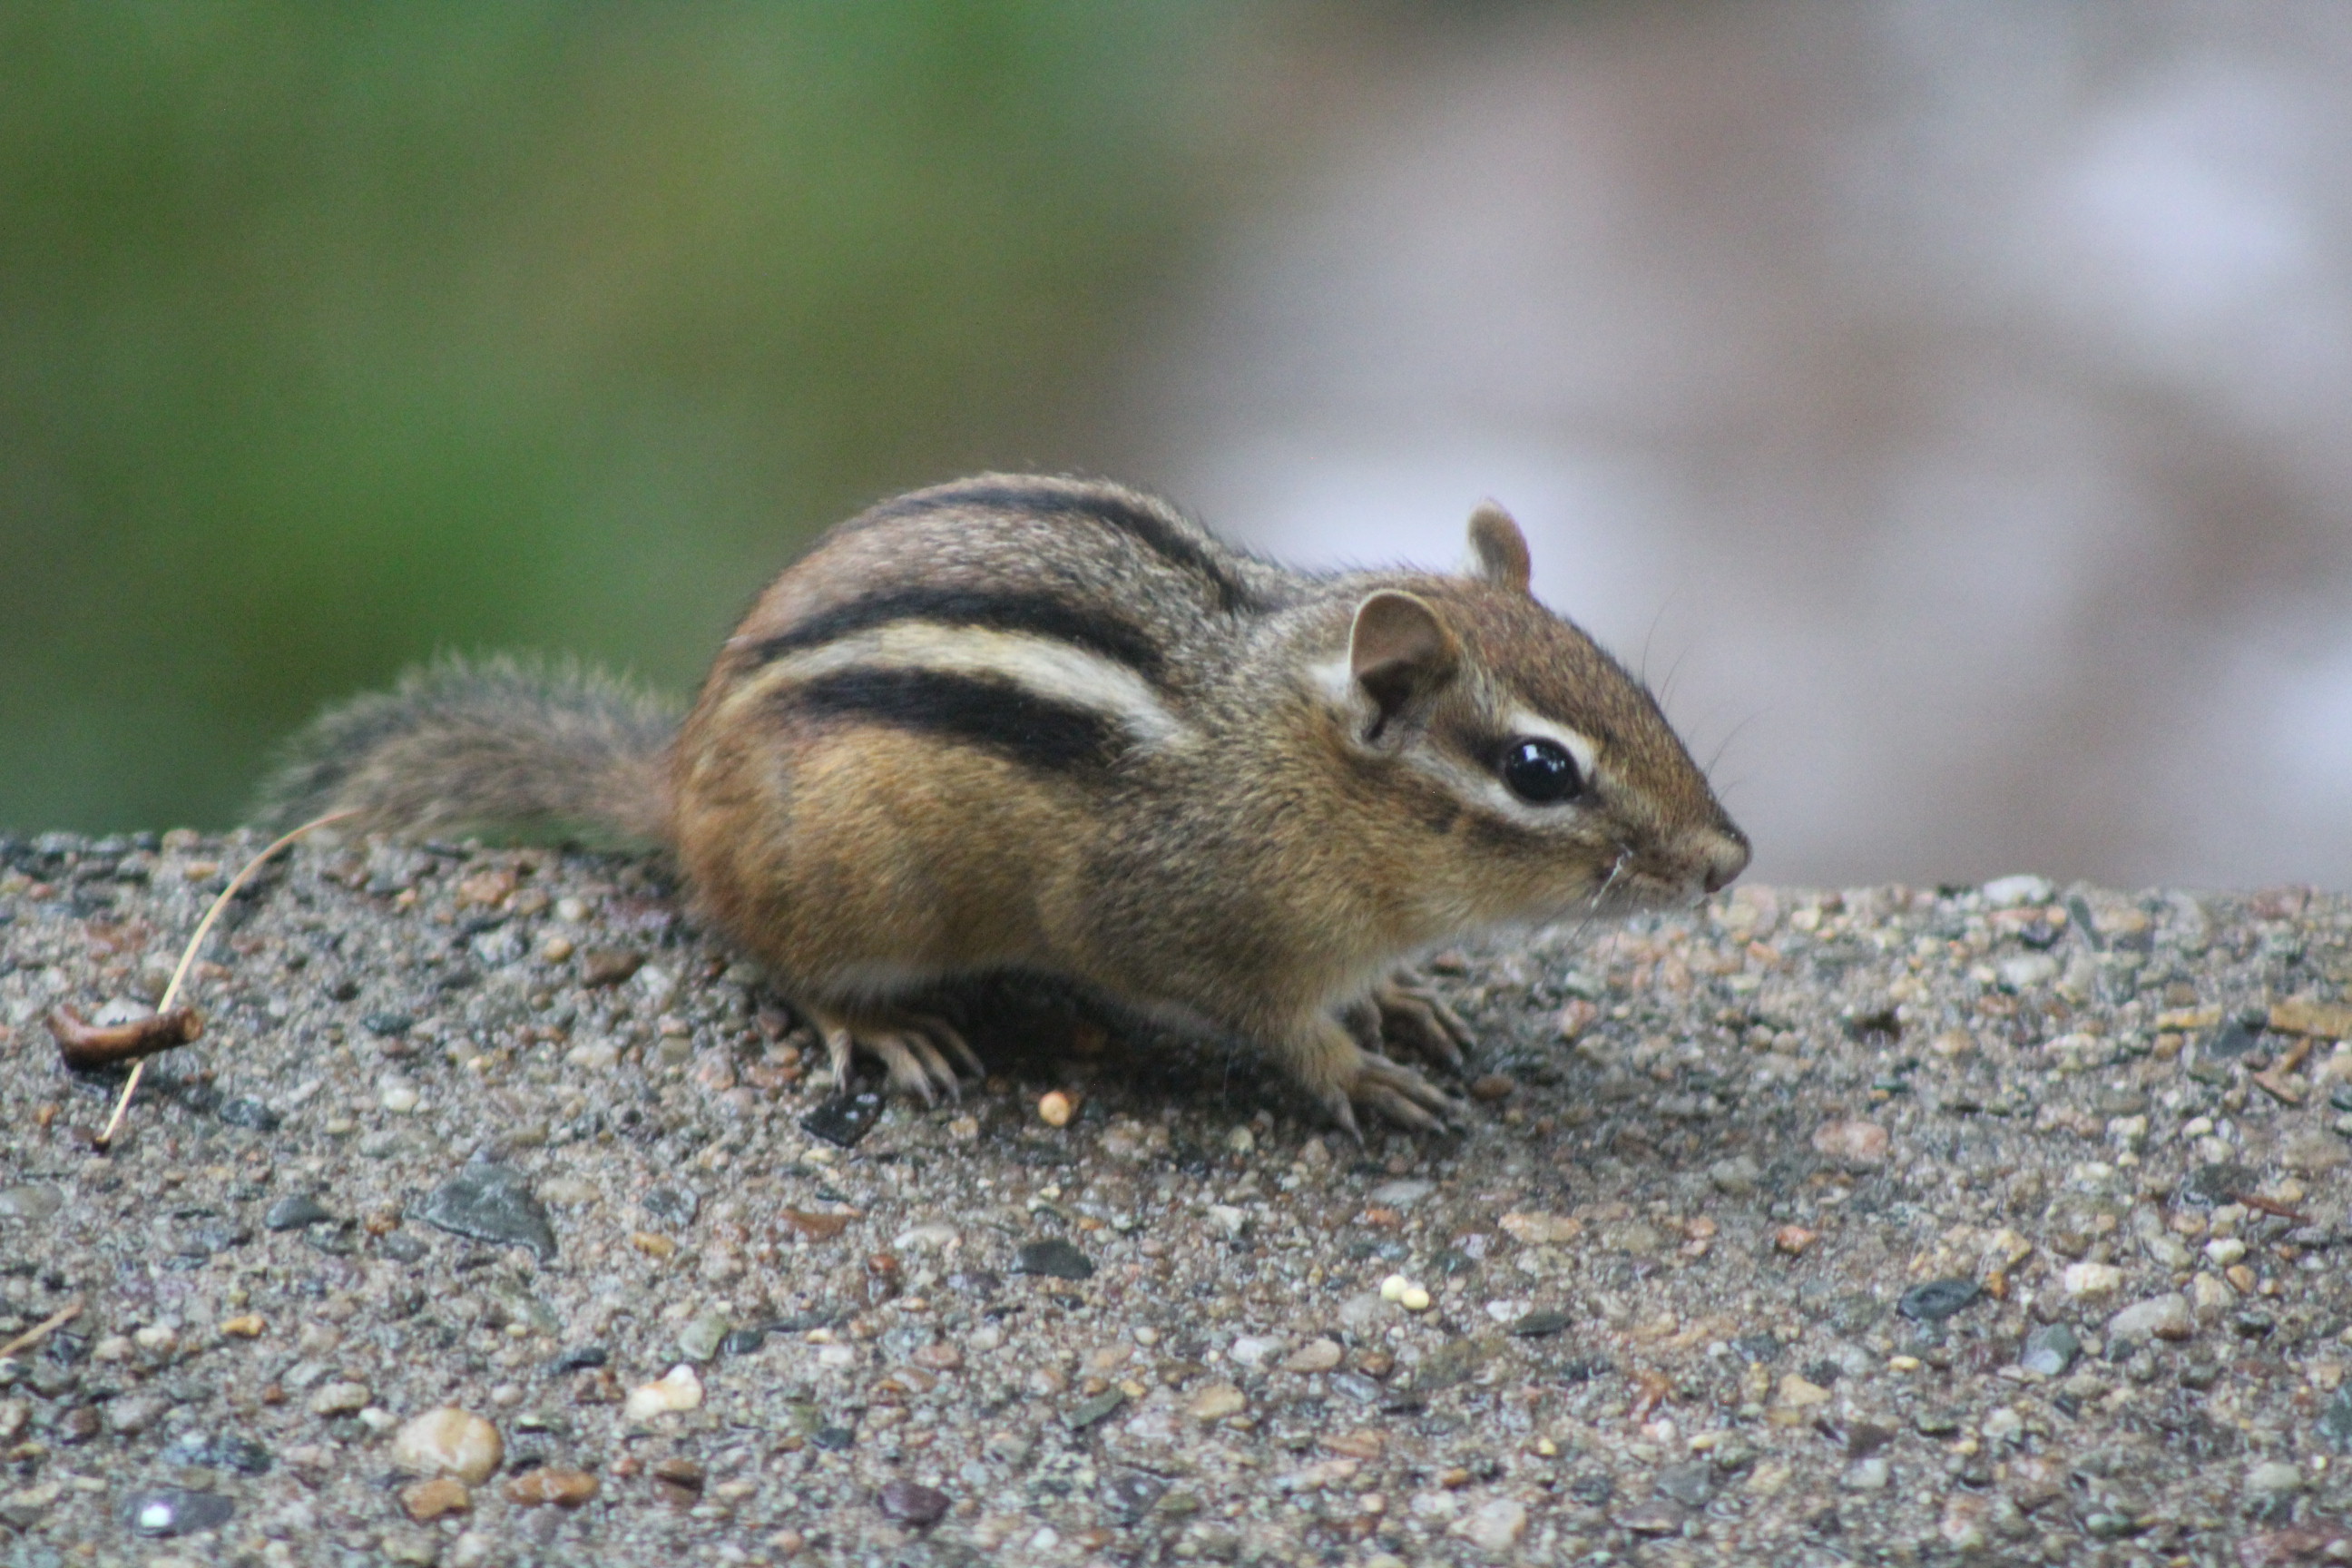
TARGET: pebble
(2026,971)
(1736,1177)
(700,1339)
(1857,1144)
(1053,1258)
(1252,1350)
(608,966)
(1799,1392)
(425,1501)
(493,1203)
(1215,1401)
(912,1504)
(1054,1108)
(1539,1323)
(556,1484)
(2050,1350)
(449,1441)
(397,1096)
(249,1113)
(1867,1476)
(679,1389)
(1690,1484)
(1937,1300)
(130,1415)
(1087,1412)
(2165,1317)
(2012,891)
(1495,1525)
(295,1213)
(1315,1355)
(340,1399)
(2086,1281)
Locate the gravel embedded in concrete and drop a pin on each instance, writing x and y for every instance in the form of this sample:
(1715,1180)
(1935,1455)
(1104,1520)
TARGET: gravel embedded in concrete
(1816,1227)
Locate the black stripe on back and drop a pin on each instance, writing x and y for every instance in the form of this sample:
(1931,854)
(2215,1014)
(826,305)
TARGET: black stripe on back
(1039,615)
(1155,533)
(992,714)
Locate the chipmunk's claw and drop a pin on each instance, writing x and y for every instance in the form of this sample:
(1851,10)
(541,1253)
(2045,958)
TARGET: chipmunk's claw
(913,1048)
(1413,1016)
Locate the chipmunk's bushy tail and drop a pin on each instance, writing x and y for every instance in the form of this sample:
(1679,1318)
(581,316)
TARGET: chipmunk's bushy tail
(521,744)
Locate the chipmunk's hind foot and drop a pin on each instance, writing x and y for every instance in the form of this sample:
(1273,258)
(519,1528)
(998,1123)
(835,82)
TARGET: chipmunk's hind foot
(914,1048)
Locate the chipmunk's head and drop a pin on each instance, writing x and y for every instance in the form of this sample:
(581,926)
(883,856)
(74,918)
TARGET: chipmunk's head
(1538,780)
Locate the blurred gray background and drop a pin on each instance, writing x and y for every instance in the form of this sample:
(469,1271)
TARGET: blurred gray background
(1945,406)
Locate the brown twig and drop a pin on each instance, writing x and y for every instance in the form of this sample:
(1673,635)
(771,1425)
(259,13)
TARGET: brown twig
(2271,1207)
(44,1329)
(88,1044)
(188,958)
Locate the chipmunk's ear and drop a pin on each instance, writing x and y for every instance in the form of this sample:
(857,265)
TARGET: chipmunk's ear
(1400,652)
(1501,548)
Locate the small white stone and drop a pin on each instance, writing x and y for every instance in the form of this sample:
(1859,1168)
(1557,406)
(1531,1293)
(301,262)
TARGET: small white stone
(677,1390)
(2165,1317)
(396,1096)
(1495,1525)
(449,1441)
(2026,971)
(1254,1350)
(1867,1475)
(2010,892)
(1229,1219)
(2084,1281)
(340,1399)
(2224,1251)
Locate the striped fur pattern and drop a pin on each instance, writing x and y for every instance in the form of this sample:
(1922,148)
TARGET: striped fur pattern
(1051,725)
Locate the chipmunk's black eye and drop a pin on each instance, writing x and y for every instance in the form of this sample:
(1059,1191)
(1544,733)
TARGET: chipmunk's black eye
(1541,773)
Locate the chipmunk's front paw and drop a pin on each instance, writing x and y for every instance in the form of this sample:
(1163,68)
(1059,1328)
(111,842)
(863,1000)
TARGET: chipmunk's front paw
(1414,1018)
(914,1048)
(1395,1091)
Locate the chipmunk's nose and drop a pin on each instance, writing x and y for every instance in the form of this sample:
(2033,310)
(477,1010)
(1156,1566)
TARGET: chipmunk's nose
(1722,857)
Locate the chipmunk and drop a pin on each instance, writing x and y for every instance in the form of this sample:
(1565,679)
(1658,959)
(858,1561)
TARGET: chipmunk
(1051,725)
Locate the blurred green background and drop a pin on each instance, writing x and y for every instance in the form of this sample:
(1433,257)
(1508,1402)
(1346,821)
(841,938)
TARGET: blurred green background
(332,335)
